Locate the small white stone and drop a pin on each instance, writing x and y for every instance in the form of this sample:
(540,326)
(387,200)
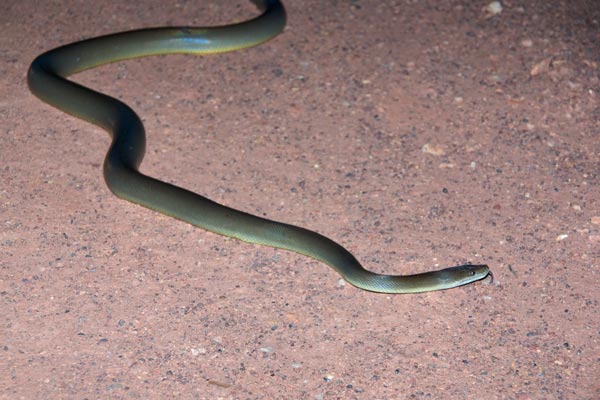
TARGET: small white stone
(433,149)
(526,43)
(495,7)
(198,351)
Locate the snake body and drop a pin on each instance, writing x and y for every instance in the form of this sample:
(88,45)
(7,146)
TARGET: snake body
(47,79)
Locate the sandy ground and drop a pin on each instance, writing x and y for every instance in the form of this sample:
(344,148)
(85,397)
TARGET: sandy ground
(419,134)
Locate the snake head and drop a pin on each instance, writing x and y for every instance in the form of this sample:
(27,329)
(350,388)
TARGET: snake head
(464,274)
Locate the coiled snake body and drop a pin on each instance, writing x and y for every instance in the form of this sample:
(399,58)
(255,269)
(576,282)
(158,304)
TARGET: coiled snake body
(47,80)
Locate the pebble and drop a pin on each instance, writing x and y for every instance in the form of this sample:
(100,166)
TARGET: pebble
(199,350)
(541,67)
(561,237)
(526,42)
(433,149)
(494,8)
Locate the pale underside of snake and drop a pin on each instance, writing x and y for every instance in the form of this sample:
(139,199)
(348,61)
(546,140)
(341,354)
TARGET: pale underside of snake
(47,79)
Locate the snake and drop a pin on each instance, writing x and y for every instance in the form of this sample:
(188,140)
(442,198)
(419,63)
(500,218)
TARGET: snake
(47,79)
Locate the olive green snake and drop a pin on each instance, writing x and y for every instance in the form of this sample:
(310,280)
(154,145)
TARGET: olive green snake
(47,79)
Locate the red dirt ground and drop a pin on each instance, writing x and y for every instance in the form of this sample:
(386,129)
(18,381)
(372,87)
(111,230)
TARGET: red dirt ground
(419,134)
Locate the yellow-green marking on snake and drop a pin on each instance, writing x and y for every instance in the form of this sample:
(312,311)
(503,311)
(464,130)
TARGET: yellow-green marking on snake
(47,80)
